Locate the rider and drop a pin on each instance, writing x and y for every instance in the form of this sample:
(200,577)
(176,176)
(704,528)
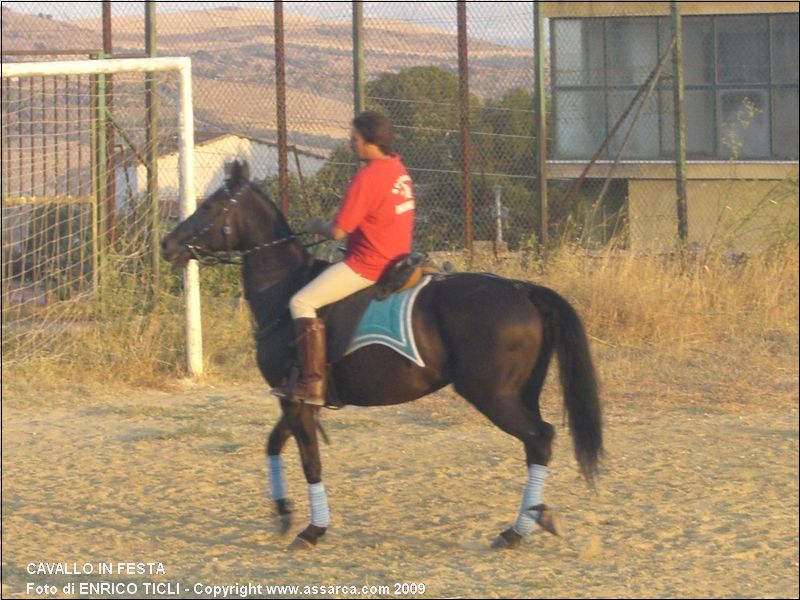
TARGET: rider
(377,215)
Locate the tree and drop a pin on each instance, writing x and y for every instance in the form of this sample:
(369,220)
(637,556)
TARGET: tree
(509,121)
(423,104)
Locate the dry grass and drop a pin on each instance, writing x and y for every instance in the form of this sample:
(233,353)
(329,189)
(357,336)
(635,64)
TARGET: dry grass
(645,300)
(712,332)
(643,314)
(629,300)
(136,337)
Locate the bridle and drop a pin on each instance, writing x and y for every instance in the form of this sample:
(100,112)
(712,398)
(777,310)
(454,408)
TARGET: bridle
(228,256)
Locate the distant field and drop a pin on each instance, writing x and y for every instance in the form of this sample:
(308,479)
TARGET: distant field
(232,54)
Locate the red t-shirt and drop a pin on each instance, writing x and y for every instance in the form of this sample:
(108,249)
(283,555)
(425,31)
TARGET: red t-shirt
(378,214)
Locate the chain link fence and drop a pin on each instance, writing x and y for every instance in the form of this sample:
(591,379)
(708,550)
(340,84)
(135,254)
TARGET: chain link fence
(611,169)
(741,90)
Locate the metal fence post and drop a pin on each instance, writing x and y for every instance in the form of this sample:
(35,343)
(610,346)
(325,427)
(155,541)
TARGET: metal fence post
(110,179)
(466,141)
(358,57)
(540,125)
(100,177)
(280,88)
(152,143)
(680,124)
(498,216)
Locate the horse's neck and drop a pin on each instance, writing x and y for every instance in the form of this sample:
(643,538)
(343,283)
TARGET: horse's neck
(273,274)
(271,277)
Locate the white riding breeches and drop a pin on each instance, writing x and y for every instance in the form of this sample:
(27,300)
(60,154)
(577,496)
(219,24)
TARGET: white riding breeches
(334,283)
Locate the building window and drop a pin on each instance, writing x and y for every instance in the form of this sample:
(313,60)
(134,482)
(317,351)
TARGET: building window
(742,49)
(784,124)
(740,73)
(743,128)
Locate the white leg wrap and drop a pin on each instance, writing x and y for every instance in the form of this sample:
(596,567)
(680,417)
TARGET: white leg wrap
(277,483)
(532,496)
(318,500)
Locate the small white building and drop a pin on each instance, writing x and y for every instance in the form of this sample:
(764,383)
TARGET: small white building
(210,157)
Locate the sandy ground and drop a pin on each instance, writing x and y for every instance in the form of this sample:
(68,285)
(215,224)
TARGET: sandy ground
(696,498)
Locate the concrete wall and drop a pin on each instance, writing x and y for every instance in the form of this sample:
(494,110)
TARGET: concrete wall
(742,216)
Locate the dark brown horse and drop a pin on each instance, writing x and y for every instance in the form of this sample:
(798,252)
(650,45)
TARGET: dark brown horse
(492,338)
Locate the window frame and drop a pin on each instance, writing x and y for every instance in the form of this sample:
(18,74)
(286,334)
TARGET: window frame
(714,87)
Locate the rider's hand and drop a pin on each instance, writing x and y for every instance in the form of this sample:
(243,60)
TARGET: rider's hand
(318,226)
(324,228)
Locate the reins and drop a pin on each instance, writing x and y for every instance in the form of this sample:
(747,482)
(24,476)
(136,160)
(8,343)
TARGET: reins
(235,257)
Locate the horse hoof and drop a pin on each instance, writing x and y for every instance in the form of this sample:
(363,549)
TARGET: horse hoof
(508,540)
(300,544)
(552,522)
(308,538)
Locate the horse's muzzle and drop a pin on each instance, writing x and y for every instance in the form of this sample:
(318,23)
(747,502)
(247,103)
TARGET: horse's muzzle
(174,252)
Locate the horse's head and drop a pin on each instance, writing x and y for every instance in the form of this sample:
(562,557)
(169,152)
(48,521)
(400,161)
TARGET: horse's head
(219,223)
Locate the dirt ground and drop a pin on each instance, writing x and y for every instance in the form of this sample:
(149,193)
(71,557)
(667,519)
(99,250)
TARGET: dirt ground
(698,495)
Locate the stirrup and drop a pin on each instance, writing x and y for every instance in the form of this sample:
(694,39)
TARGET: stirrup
(279,392)
(286,391)
(309,401)
(283,393)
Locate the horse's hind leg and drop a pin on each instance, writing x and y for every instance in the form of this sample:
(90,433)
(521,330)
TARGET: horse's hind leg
(510,415)
(277,481)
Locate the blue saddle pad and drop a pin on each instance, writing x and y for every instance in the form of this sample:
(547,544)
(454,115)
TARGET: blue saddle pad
(388,322)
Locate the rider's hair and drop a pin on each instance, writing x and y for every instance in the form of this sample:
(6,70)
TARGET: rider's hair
(376,129)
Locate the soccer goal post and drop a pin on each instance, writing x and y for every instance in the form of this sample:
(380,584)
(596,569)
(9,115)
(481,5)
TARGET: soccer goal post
(36,182)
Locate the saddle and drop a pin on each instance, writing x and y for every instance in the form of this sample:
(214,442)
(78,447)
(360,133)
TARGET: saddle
(342,317)
(403,274)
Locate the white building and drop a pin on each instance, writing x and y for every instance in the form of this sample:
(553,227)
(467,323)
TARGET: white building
(210,157)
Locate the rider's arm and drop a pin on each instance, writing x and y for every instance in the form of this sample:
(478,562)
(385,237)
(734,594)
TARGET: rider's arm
(325,228)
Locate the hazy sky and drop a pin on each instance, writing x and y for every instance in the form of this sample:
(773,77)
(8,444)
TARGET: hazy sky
(509,23)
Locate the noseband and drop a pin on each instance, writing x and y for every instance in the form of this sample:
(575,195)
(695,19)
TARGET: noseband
(227,256)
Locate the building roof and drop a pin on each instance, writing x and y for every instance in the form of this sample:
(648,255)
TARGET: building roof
(566,10)
(169,145)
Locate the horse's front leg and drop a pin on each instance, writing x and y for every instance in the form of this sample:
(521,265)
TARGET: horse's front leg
(302,422)
(277,481)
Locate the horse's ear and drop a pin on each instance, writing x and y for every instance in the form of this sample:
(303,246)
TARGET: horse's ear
(229,168)
(237,172)
(244,171)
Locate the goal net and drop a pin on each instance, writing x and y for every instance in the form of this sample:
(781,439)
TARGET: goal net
(95,154)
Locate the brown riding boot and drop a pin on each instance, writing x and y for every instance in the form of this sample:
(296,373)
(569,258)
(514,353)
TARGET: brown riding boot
(312,356)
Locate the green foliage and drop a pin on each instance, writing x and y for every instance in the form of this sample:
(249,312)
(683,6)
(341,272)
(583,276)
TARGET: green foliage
(509,122)
(423,104)
(327,187)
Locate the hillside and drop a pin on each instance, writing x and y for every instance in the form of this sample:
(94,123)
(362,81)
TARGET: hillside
(28,32)
(232,52)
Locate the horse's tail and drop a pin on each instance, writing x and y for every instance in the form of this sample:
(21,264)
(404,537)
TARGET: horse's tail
(564,330)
